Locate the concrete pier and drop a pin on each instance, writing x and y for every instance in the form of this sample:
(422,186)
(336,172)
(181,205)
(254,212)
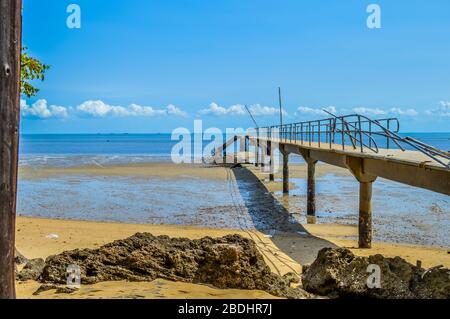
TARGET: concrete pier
(408,167)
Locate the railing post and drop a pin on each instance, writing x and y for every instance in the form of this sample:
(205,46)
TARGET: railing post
(331,137)
(388,142)
(301,132)
(318,131)
(360,135)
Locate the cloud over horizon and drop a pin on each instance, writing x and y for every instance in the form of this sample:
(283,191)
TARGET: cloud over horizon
(393,110)
(41,110)
(239,109)
(98,108)
(94,108)
(443,109)
(316,111)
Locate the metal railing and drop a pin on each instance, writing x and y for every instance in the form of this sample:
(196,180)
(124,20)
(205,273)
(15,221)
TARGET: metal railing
(355,131)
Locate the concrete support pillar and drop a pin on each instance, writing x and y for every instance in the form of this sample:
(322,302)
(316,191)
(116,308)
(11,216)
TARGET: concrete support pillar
(285,172)
(311,182)
(311,202)
(257,153)
(263,151)
(270,155)
(235,157)
(356,167)
(365,215)
(224,156)
(246,149)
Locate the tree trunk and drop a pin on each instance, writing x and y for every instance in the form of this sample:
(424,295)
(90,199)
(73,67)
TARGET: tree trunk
(10,47)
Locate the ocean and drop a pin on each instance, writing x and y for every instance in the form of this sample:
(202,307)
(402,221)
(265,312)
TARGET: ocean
(401,213)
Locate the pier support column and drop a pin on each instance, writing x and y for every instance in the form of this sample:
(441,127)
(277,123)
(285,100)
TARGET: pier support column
(270,155)
(365,215)
(235,157)
(285,171)
(224,154)
(311,205)
(356,167)
(246,149)
(257,153)
(311,192)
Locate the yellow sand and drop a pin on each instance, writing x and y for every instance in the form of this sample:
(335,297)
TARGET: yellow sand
(283,253)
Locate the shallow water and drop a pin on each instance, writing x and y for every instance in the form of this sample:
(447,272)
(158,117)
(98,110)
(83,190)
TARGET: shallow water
(128,199)
(400,213)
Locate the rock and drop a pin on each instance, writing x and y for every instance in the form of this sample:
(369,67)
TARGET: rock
(19,259)
(32,270)
(290,277)
(59,289)
(339,273)
(228,262)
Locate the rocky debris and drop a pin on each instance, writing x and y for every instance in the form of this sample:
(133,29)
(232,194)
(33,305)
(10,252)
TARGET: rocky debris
(291,278)
(32,270)
(19,259)
(59,289)
(228,262)
(339,273)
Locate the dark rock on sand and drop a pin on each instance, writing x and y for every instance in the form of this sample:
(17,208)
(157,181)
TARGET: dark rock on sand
(32,270)
(339,273)
(229,262)
(19,259)
(59,289)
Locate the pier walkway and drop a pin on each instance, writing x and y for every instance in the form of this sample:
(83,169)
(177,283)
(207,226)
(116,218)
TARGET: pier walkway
(355,142)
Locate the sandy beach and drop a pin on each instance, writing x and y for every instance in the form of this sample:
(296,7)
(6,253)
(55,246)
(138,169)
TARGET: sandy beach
(283,253)
(254,212)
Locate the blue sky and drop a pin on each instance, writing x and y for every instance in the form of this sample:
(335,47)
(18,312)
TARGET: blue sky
(150,66)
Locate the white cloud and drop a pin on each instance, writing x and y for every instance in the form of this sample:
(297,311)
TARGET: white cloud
(173,110)
(100,109)
(369,111)
(239,109)
(40,109)
(407,112)
(317,111)
(259,110)
(378,111)
(443,109)
(215,109)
